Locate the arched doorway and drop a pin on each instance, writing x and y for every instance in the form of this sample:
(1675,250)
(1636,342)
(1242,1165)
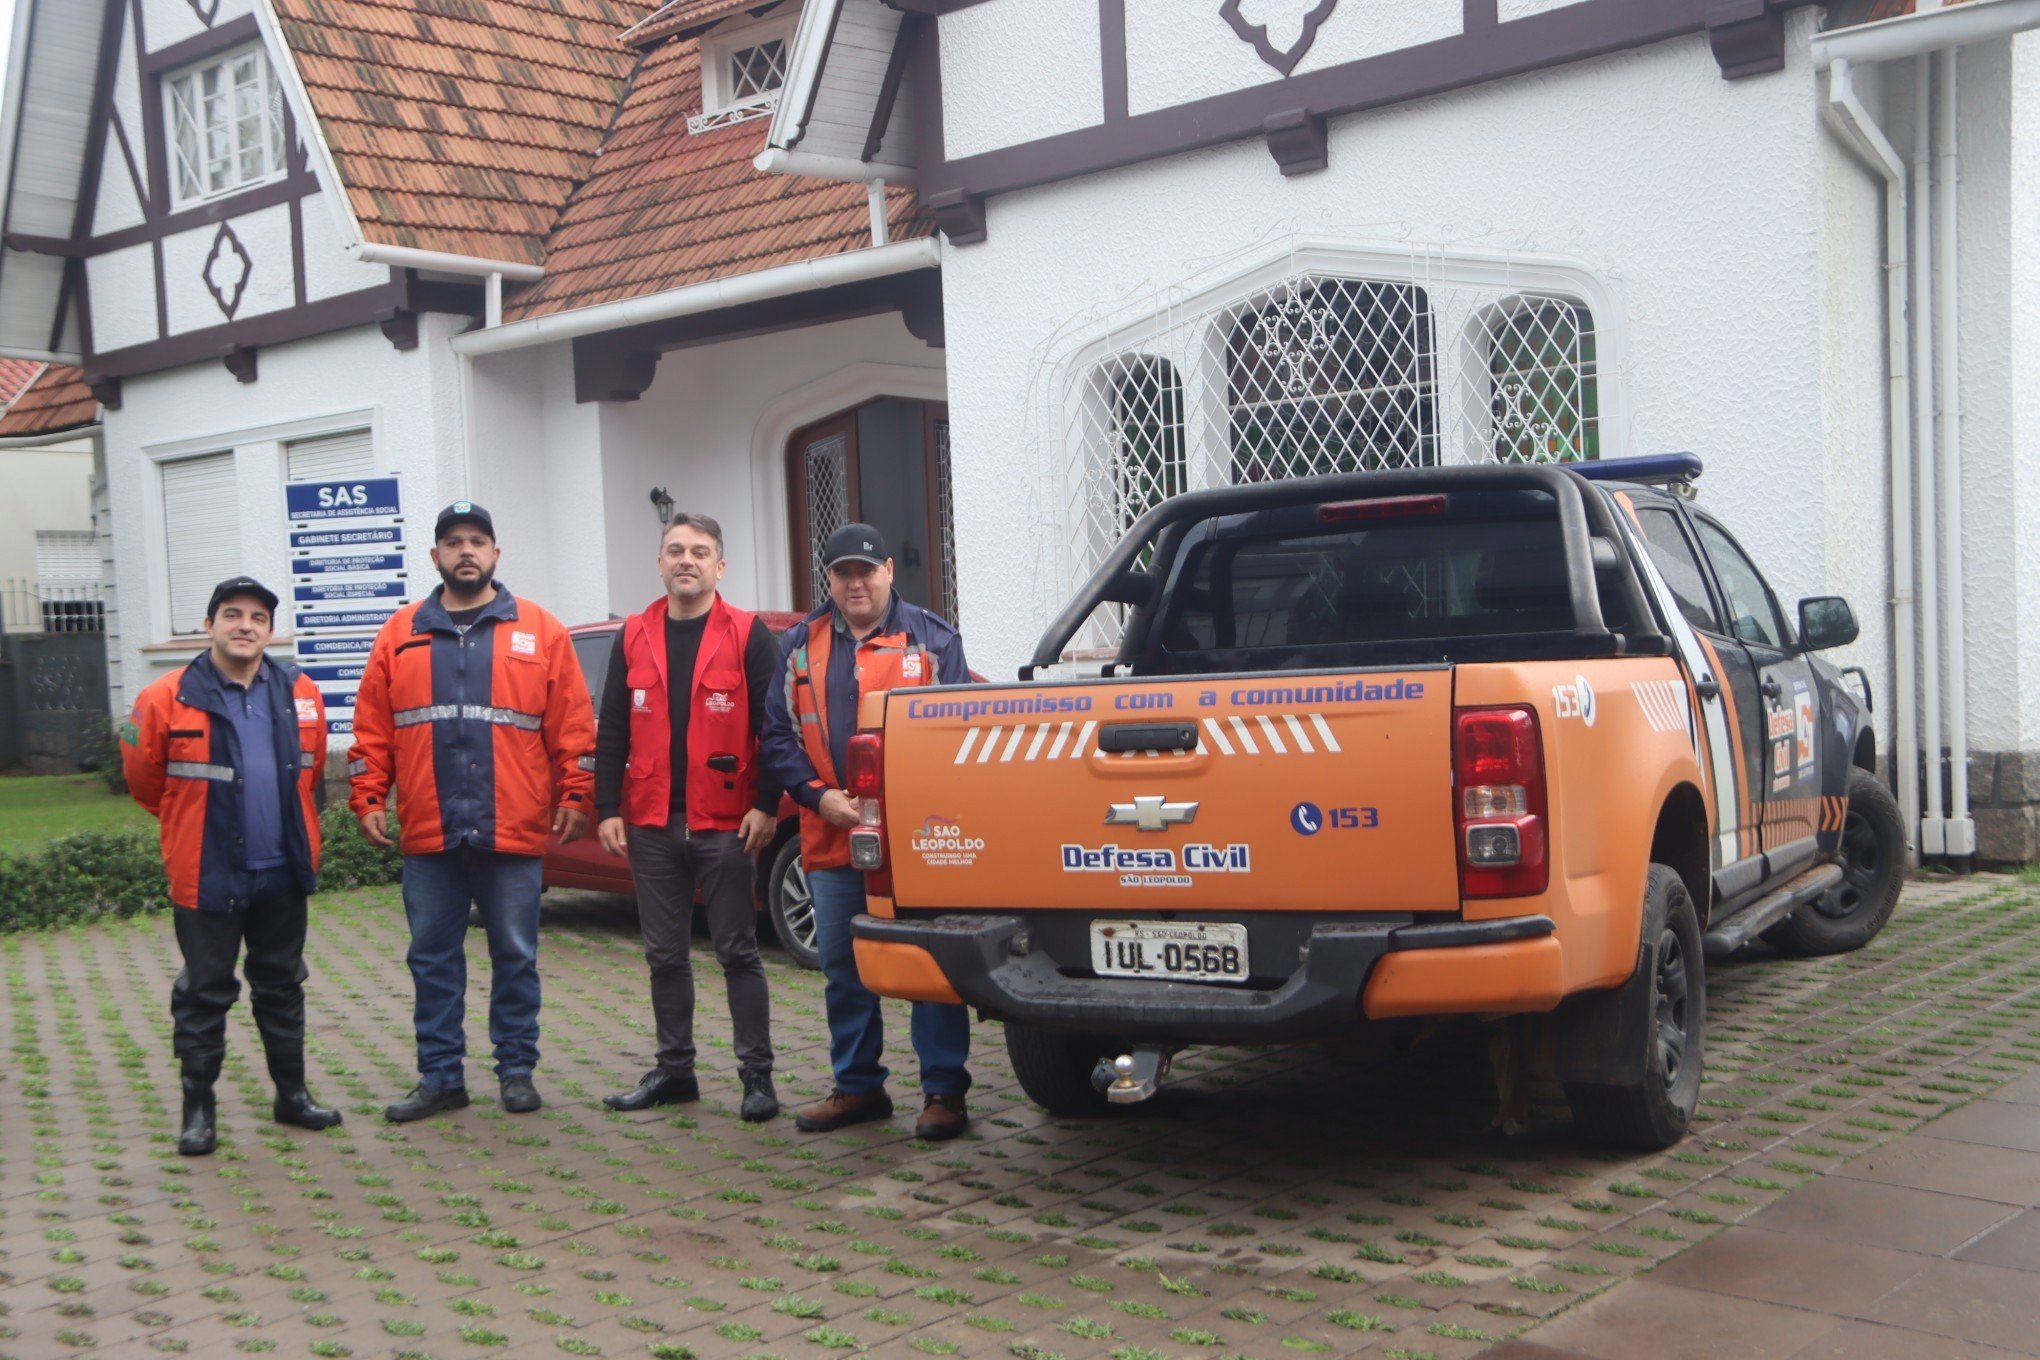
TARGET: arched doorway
(883,463)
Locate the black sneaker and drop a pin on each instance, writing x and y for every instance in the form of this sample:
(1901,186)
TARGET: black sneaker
(761,1102)
(426,1101)
(519,1095)
(657,1087)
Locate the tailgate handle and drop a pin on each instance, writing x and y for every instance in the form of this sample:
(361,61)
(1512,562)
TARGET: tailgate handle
(1148,737)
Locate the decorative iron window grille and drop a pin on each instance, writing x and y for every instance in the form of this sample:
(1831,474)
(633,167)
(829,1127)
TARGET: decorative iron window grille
(1326,372)
(1546,392)
(755,70)
(826,465)
(1331,375)
(758,106)
(226,126)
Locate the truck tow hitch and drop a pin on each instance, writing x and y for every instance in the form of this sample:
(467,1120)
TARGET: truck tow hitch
(1132,1077)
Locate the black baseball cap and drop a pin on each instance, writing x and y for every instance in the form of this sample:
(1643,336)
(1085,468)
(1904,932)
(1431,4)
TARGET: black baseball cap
(240,585)
(463,512)
(855,543)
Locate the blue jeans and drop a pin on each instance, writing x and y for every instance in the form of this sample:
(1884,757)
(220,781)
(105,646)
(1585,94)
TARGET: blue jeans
(941,1033)
(437,890)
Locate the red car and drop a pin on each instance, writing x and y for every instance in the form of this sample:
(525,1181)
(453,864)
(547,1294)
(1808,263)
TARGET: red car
(783,896)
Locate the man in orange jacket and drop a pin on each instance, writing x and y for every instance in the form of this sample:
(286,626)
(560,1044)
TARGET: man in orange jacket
(225,753)
(474,710)
(864,640)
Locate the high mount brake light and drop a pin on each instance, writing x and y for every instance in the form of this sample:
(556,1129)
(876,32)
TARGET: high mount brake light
(1386,507)
(1498,773)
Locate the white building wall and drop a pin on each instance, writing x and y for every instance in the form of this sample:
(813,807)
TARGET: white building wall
(1699,206)
(712,429)
(47,488)
(2019,593)
(327,384)
(172,21)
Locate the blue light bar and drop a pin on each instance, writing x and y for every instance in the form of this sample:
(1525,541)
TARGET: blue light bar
(1651,469)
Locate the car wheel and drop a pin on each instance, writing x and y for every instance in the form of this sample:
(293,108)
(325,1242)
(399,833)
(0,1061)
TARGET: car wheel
(790,905)
(1664,1006)
(1872,859)
(1054,1067)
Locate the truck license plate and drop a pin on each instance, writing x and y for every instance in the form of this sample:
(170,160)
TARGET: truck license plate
(1175,951)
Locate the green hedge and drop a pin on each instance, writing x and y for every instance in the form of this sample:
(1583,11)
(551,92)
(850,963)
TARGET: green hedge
(99,874)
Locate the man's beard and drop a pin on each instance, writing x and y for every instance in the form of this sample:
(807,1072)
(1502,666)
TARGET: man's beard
(455,586)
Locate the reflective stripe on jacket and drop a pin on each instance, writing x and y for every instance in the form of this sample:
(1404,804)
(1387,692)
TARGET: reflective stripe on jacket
(912,647)
(181,754)
(480,735)
(718,723)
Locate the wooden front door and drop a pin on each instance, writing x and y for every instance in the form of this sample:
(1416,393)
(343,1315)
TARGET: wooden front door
(885,463)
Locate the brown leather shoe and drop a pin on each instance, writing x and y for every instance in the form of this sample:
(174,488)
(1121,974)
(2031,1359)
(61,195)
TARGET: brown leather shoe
(842,1109)
(942,1117)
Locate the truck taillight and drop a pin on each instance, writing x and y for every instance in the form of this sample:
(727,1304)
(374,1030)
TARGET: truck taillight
(1498,772)
(866,781)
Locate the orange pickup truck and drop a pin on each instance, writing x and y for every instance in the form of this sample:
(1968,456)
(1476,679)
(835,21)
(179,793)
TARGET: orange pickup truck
(1504,741)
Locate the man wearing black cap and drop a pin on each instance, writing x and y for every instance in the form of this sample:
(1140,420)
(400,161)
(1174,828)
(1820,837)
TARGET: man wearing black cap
(865,640)
(474,713)
(226,753)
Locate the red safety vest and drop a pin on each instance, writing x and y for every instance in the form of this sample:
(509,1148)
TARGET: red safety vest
(718,723)
(885,661)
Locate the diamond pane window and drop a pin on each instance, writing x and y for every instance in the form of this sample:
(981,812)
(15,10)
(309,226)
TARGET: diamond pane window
(826,465)
(1331,375)
(226,126)
(757,70)
(1147,415)
(1546,398)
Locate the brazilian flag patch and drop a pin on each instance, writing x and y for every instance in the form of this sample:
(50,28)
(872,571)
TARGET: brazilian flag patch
(131,732)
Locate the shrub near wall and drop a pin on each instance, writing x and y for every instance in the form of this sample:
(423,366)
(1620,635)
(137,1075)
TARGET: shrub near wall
(99,874)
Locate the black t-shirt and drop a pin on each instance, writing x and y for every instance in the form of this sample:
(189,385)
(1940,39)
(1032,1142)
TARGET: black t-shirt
(464,619)
(683,646)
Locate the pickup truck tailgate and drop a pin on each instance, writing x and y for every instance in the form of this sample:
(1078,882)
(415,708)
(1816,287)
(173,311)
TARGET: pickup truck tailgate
(1296,793)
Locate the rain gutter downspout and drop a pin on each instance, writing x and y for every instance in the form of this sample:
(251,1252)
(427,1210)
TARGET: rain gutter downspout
(1961,831)
(1933,824)
(1853,121)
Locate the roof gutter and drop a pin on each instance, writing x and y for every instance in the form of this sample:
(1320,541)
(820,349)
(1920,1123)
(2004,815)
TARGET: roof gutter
(775,160)
(1927,30)
(342,208)
(903,257)
(51,438)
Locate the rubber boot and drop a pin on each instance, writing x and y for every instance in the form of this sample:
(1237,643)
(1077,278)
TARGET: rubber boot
(294,1103)
(199,1134)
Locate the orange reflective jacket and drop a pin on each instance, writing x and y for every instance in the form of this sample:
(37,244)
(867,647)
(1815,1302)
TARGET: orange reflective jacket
(183,763)
(481,733)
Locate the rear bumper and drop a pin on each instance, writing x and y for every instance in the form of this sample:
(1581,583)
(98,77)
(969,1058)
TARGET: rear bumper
(1349,971)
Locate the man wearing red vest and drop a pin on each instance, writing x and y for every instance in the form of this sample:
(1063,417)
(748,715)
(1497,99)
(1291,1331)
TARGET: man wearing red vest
(677,789)
(865,640)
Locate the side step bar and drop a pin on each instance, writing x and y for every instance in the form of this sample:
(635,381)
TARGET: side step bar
(1733,932)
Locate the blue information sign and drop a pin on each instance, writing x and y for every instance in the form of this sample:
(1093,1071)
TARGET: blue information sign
(315,592)
(303,539)
(349,673)
(334,648)
(353,618)
(336,566)
(360,498)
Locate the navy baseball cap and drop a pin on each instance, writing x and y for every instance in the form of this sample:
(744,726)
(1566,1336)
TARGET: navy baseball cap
(240,585)
(854,543)
(463,512)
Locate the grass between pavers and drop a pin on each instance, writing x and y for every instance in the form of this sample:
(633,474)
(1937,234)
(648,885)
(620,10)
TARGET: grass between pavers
(38,808)
(1269,1202)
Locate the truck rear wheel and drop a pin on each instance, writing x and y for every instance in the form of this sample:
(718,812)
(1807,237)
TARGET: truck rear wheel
(1665,1004)
(1873,854)
(1054,1067)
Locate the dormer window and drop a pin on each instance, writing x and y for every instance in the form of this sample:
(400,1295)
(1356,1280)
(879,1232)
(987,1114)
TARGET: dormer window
(742,71)
(226,126)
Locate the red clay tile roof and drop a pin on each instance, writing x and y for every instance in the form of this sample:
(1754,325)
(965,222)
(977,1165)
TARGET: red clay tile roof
(462,125)
(1846,13)
(15,375)
(57,400)
(683,17)
(664,209)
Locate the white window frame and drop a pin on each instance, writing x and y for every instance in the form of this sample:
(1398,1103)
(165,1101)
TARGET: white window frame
(275,151)
(717,93)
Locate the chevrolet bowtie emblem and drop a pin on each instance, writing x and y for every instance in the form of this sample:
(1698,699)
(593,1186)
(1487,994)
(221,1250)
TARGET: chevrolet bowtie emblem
(1151,814)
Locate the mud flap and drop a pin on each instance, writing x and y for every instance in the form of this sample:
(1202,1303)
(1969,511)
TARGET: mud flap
(1603,1036)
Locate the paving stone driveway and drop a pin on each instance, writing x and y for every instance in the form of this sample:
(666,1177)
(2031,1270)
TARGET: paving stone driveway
(1268,1203)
